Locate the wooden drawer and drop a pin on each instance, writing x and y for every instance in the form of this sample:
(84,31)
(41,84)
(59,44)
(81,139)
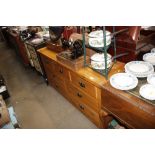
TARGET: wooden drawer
(131,112)
(84,85)
(76,94)
(59,85)
(91,114)
(61,72)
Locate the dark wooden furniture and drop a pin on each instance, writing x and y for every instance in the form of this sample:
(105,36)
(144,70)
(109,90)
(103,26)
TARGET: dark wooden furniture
(82,87)
(135,41)
(130,110)
(19,46)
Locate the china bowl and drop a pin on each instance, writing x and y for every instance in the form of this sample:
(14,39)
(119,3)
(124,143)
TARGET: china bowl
(98,61)
(96,38)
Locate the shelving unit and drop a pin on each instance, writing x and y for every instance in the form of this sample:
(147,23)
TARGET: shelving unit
(102,50)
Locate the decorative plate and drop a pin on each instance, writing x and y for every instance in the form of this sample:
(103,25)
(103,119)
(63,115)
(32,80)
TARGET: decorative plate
(98,34)
(151,79)
(140,69)
(123,81)
(149,57)
(153,50)
(148,91)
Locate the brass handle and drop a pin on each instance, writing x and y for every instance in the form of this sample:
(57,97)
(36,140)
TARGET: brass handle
(79,95)
(81,107)
(82,84)
(61,71)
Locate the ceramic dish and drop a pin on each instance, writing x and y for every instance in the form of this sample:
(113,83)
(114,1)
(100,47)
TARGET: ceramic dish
(149,57)
(98,34)
(37,40)
(151,79)
(153,50)
(140,69)
(96,38)
(123,81)
(98,61)
(147,91)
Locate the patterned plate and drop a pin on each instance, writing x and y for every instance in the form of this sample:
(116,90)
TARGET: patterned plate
(151,79)
(140,69)
(149,57)
(123,81)
(147,91)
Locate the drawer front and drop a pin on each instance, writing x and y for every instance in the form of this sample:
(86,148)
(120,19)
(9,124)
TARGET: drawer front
(84,85)
(82,97)
(62,72)
(92,115)
(59,85)
(128,112)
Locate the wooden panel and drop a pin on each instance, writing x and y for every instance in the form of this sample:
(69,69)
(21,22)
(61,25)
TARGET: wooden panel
(84,85)
(129,109)
(82,97)
(92,115)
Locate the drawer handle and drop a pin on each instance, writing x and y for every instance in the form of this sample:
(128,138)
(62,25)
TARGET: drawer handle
(82,84)
(81,107)
(79,95)
(61,71)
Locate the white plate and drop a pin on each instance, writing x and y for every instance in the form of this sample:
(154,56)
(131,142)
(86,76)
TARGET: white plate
(140,69)
(148,91)
(98,34)
(123,81)
(37,40)
(151,79)
(153,50)
(149,57)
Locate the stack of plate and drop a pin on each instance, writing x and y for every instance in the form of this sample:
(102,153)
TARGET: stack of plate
(149,57)
(147,91)
(140,69)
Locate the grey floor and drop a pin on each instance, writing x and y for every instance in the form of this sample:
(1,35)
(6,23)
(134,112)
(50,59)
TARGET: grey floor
(36,104)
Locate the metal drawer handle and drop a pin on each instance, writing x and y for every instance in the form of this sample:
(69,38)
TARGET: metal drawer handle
(79,95)
(81,107)
(61,71)
(82,84)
